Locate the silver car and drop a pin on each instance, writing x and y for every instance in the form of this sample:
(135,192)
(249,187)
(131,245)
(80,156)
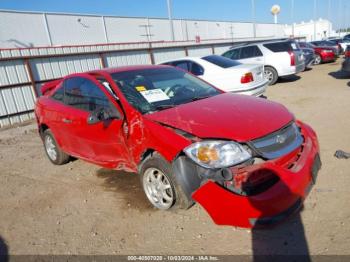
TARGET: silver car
(280,58)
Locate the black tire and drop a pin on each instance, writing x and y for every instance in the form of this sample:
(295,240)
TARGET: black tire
(318,59)
(271,75)
(156,161)
(61,157)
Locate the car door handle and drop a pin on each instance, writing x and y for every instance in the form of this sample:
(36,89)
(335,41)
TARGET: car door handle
(67,121)
(258,59)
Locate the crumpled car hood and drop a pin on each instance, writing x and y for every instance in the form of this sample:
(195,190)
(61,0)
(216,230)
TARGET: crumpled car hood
(227,116)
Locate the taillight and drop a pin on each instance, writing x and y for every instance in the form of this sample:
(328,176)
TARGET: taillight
(247,78)
(292,58)
(327,51)
(347,53)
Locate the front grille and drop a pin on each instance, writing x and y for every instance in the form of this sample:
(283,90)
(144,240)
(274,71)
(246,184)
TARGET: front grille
(278,143)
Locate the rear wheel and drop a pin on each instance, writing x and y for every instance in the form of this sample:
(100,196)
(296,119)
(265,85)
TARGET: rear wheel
(270,75)
(318,60)
(160,186)
(53,151)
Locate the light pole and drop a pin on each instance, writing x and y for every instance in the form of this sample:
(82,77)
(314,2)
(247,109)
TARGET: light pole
(344,18)
(315,6)
(231,32)
(253,17)
(275,10)
(329,18)
(339,17)
(169,3)
(292,16)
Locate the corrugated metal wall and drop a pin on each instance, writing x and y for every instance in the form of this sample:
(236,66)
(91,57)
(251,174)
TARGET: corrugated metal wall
(16,99)
(168,54)
(23,71)
(57,67)
(116,59)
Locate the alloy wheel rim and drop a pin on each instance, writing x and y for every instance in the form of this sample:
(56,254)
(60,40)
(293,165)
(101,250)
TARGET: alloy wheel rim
(317,60)
(158,188)
(268,75)
(50,148)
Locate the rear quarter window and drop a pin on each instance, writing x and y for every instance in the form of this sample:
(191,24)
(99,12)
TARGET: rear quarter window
(232,54)
(58,95)
(221,61)
(282,46)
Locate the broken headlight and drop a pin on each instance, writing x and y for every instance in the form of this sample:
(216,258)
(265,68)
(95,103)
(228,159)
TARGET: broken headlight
(217,154)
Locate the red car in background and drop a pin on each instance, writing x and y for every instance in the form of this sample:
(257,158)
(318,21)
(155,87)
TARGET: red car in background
(323,54)
(246,160)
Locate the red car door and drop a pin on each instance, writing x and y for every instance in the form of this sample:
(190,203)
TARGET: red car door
(54,113)
(102,142)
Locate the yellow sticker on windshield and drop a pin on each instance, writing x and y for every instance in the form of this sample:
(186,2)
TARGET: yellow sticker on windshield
(140,88)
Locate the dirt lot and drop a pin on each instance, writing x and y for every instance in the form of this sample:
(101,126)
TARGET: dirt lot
(80,208)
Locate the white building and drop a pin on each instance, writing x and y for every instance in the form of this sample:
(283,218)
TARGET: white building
(29,29)
(311,30)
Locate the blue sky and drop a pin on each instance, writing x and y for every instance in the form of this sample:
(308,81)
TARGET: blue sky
(235,10)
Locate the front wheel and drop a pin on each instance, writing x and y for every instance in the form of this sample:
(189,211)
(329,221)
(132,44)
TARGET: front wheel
(318,60)
(271,75)
(160,186)
(53,151)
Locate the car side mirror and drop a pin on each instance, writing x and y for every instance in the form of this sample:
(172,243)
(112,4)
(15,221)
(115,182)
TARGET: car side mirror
(93,119)
(102,115)
(113,113)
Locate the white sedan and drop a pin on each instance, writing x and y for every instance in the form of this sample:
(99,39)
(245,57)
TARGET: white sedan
(224,73)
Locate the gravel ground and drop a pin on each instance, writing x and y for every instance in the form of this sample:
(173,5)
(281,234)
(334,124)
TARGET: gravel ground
(80,208)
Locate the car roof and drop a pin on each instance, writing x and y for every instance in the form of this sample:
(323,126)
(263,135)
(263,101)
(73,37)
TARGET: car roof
(262,43)
(184,58)
(112,70)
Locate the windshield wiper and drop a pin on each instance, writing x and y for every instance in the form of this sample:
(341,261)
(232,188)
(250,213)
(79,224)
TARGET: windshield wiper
(200,97)
(160,107)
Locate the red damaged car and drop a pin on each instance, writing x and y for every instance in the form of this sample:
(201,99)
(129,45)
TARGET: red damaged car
(246,160)
(323,54)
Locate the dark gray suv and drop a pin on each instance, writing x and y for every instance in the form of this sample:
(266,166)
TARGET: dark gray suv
(346,63)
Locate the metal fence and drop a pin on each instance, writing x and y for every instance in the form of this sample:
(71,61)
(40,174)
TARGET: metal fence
(23,71)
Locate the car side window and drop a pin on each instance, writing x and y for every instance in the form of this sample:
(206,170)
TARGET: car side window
(59,94)
(182,64)
(250,52)
(196,69)
(257,52)
(83,94)
(233,54)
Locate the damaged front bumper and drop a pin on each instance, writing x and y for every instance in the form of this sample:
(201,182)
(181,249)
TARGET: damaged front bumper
(292,178)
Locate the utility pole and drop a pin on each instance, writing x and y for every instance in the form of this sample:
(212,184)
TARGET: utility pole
(344,18)
(329,18)
(231,32)
(315,7)
(292,16)
(253,18)
(347,22)
(147,28)
(169,3)
(339,17)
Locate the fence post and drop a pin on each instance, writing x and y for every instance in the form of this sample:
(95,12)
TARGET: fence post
(31,77)
(186,50)
(150,52)
(102,60)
